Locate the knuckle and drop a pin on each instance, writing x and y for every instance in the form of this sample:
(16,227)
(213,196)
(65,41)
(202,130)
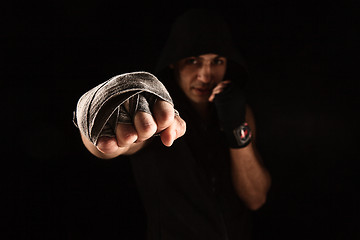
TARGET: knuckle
(148,127)
(164,112)
(145,126)
(165,117)
(180,129)
(126,139)
(182,123)
(183,127)
(106,144)
(125,134)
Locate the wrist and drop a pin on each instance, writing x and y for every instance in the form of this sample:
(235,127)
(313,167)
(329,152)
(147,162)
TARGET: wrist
(239,137)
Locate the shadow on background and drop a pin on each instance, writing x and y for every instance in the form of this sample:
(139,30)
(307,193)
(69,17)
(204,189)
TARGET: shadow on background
(304,94)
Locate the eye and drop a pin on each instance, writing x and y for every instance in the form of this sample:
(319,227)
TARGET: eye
(218,61)
(191,61)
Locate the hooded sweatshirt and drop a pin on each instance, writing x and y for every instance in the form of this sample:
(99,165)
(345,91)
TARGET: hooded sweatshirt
(187,188)
(198,32)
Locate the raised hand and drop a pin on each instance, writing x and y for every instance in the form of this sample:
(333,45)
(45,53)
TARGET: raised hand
(230,105)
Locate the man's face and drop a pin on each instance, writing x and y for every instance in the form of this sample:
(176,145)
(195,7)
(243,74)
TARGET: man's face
(197,76)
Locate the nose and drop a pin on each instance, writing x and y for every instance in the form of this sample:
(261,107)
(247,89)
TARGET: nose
(204,73)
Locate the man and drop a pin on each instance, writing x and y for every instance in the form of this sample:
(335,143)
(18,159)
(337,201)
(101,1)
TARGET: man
(202,184)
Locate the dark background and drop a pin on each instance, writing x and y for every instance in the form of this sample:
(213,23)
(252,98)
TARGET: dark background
(304,91)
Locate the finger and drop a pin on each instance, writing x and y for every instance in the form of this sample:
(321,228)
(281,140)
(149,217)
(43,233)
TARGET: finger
(214,92)
(218,89)
(226,82)
(163,113)
(107,145)
(145,126)
(176,130)
(221,85)
(125,134)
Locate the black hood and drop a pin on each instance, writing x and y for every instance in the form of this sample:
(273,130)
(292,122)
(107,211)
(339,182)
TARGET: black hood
(197,32)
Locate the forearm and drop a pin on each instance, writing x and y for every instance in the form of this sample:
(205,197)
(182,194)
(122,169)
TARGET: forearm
(251,179)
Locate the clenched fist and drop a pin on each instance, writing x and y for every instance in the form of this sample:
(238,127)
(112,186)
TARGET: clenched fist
(131,137)
(118,116)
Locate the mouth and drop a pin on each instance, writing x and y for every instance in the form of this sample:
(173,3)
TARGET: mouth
(201,91)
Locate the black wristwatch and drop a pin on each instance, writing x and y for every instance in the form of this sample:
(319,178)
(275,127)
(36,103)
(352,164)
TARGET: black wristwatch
(242,135)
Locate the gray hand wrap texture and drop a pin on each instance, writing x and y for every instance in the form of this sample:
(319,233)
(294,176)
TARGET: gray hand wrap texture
(116,101)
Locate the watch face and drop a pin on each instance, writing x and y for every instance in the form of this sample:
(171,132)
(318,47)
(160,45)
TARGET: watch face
(242,134)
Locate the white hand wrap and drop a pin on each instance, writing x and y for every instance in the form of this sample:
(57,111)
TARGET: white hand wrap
(116,101)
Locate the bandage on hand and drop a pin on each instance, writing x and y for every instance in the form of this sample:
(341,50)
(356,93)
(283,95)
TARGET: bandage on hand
(127,109)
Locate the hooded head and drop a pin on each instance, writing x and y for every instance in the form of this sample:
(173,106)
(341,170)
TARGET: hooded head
(198,32)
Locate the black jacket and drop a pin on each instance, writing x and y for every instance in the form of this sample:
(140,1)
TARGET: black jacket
(187,188)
